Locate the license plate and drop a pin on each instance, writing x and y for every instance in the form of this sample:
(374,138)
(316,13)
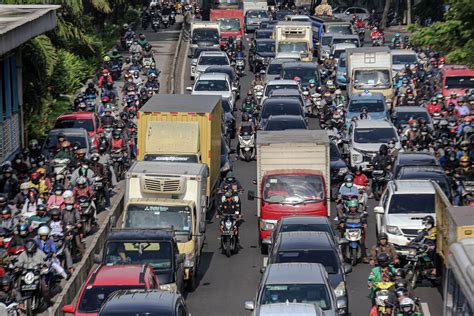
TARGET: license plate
(228,233)
(28,287)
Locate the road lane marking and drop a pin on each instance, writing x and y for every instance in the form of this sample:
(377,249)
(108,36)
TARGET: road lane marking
(425,309)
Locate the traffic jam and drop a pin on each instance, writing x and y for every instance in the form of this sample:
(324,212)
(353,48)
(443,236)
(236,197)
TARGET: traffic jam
(322,161)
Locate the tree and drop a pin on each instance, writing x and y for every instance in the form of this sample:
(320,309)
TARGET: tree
(386,8)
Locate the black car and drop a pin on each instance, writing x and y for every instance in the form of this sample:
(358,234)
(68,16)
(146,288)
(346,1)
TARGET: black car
(228,70)
(306,71)
(284,122)
(338,168)
(281,14)
(279,106)
(260,54)
(155,247)
(413,159)
(263,34)
(435,174)
(288,93)
(144,302)
(312,247)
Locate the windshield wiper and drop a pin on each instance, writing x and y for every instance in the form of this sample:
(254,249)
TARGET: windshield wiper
(307,201)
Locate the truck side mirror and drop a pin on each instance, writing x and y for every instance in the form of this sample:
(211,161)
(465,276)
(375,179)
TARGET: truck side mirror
(180,258)
(251,195)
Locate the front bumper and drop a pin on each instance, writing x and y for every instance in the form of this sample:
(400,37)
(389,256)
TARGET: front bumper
(400,243)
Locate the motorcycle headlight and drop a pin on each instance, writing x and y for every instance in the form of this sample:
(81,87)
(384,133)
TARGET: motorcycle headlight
(267,225)
(228,224)
(340,290)
(394,230)
(356,157)
(29,278)
(189,260)
(343,171)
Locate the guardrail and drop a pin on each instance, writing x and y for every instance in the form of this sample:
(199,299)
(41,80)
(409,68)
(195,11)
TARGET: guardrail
(74,284)
(183,37)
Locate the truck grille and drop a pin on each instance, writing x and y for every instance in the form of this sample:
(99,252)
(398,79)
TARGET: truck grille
(410,232)
(162,185)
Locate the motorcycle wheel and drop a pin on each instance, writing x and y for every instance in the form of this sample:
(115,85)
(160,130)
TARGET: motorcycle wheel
(100,202)
(414,279)
(228,251)
(247,156)
(377,192)
(86,226)
(354,252)
(29,306)
(117,170)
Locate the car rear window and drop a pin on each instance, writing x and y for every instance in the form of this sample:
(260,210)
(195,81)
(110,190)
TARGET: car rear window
(86,124)
(326,257)
(94,296)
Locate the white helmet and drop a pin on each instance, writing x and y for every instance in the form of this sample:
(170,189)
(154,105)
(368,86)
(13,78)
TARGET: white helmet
(68,194)
(25,186)
(43,230)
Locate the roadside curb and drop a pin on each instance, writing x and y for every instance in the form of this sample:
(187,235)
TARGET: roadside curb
(74,284)
(172,81)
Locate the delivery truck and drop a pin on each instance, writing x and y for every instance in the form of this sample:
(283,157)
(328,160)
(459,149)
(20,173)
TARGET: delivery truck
(370,69)
(182,128)
(204,34)
(294,37)
(293,177)
(166,195)
(231,24)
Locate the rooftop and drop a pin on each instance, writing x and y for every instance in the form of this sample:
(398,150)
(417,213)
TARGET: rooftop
(181,103)
(414,187)
(119,275)
(19,23)
(295,273)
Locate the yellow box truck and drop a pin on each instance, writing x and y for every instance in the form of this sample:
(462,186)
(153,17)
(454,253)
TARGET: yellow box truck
(182,128)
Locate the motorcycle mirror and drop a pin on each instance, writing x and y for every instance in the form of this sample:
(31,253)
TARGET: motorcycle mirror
(262,270)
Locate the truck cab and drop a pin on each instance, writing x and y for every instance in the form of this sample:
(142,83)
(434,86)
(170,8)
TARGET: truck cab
(231,24)
(205,34)
(294,37)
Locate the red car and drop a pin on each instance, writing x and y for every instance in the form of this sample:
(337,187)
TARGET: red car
(107,279)
(455,78)
(86,120)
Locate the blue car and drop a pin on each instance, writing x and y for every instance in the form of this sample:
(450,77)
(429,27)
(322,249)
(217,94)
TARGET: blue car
(373,102)
(341,71)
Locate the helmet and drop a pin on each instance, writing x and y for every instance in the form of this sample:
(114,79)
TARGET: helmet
(229,176)
(397,34)
(105,99)
(338,92)
(428,221)
(95,157)
(465,159)
(407,305)
(125,26)
(41,207)
(23,229)
(25,186)
(30,246)
(353,203)
(43,230)
(106,59)
(105,72)
(349,178)
(6,210)
(35,175)
(55,212)
(68,194)
(383,259)
(6,280)
(33,143)
(382,236)
(81,181)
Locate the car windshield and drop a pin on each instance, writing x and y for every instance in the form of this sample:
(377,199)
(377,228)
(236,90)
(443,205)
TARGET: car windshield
(156,254)
(206,34)
(404,117)
(198,51)
(211,85)
(257,14)
(94,296)
(326,40)
(334,152)
(265,47)
(296,293)
(374,135)
(293,189)
(354,41)
(281,125)
(179,218)
(271,108)
(229,24)
(292,47)
(272,87)
(370,105)
(339,28)
(459,82)
(213,60)
(52,141)
(86,124)
(404,59)
(372,79)
(326,257)
(412,203)
(263,34)
(304,73)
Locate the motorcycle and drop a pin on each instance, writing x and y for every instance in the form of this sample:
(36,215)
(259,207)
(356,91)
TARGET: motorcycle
(64,241)
(172,17)
(383,291)
(99,186)
(117,157)
(165,19)
(31,286)
(146,63)
(377,41)
(10,310)
(353,231)
(378,183)
(60,169)
(361,33)
(258,93)
(87,210)
(240,66)
(247,144)
(116,71)
(128,42)
(419,264)
(229,235)
(156,23)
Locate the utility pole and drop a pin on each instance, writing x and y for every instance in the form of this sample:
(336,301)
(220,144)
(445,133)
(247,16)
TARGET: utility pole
(408,12)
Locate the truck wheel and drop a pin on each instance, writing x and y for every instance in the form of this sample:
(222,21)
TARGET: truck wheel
(191,284)
(263,248)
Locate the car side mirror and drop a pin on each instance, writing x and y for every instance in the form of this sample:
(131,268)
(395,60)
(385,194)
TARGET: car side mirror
(347,268)
(68,309)
(249,305)
(262,269)
(189,88)
(202,227)
(268,241)
(180,258)
(234,89)
(343,241)
(341,304)
(378,210)
(251,195)
(97,259)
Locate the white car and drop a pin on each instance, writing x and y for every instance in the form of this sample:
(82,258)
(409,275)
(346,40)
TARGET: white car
(214,84)
(347,13)
(279,84)
(402,208)
(338,49)
(210,58)
(195,56)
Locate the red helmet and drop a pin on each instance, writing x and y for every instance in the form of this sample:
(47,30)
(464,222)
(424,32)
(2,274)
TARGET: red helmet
(442,59)
(105,72)
(296,78)
(105,99)
(35,175)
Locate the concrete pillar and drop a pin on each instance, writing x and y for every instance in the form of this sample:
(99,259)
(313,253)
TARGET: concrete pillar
(19,76)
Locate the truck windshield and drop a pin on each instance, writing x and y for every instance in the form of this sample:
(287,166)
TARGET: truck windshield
(293,189)
(206,34)
(374,135)
(459,82)
(339,28)
(304,73)
(157,254)
(159,216)
(372,79)
(412,203)
(229,25)
(299,293)
(293,47)
(257,14)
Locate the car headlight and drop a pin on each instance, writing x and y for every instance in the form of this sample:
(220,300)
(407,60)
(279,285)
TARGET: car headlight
(267,225)
(343,171)
(357,157)
(169,287)
(189,260)
(194,63)
(394,230)
(340,290)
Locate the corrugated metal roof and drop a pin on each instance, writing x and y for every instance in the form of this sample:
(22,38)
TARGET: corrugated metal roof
(181,103)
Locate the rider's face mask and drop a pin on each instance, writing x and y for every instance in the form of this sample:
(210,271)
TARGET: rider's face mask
(69,207)
(349,184)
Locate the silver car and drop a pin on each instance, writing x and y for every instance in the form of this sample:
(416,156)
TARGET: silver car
(297,283)
(214,84)
(207,59)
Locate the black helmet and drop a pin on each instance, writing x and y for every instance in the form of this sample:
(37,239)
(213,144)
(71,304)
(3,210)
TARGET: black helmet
(116,133)
(22,229)
(41,208)
(383,259)
(382,236)
(30,246)
(6,210)
(383,150)
(6,280)
(428,220)
(55,212)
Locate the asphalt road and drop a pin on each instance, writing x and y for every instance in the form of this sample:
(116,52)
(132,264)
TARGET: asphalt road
(225,283)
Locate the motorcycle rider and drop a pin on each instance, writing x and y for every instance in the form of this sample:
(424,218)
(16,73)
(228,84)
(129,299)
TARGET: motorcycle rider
(46,244)
(384,272)
(462,106)
(142,41)
(152,82)
(7,221)
(339,98)
(56,199)
(8,294)
(354,214)
(258,81)
(465,169)
(41,217)
(37,183)
(136,50)
(383,246)
(57,229)
(427,236)
(91,90)
(396,40)
(230,181)
(105,78)
(346,191)
(375,33)
(20,167)
(64,152)
(8,182)
(107,119)
(21,236)
(84,171)
(100,171)
(32,202)
(72,216)
(82,188)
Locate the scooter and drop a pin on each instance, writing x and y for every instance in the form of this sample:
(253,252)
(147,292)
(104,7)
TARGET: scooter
(247,144)
(87,209)
(229,235)
(165,19)
(353,231)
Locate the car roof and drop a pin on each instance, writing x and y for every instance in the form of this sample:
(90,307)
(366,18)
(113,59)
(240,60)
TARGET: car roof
(294,272)
(139,234)
(283,81)
(457,70)
(411,157)
(129,274)
(304,240)
(368,96)
(373,124)
(76,115)
(422,173)
(213,76)
(217,68)
(139,302)
(348,36)
(305,220)
(213,53)
(413,186)
(285,92)
(299,64)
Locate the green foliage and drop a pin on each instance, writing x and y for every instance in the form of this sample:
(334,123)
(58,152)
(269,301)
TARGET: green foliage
(70,73)
(454,36)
